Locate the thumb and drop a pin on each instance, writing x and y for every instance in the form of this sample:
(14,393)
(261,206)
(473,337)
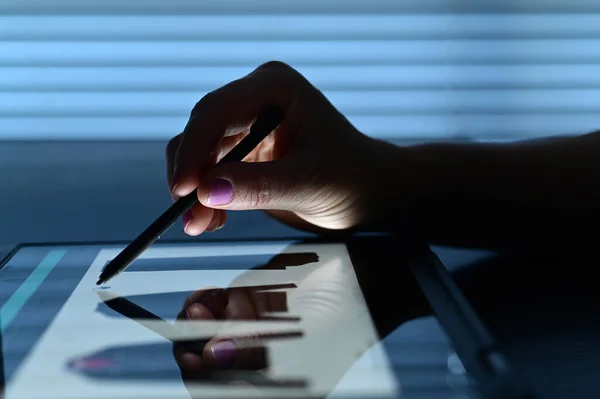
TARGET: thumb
(282,184)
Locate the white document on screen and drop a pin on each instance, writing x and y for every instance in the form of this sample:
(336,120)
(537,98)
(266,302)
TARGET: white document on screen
(332,316)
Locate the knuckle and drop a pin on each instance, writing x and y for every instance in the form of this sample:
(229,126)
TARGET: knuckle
(205,101)
(278,66)
(261,194)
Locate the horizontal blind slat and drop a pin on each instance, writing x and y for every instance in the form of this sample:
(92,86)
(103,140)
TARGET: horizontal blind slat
(290,6)
(325,77)
(249,54)
(355,102)
(386,126)
(297,27)
(400,70)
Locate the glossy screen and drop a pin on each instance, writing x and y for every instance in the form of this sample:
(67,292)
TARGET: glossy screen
(64,338)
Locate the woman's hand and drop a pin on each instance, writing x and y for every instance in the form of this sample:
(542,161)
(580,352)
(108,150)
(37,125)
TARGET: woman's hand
(315,171)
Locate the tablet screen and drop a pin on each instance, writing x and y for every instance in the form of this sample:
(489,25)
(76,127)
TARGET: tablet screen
(63,337)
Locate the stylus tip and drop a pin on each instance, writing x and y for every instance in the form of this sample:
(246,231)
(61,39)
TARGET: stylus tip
(100,281)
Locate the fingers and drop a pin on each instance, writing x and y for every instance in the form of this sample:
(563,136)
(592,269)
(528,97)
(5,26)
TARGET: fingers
(200,219)
(227,111)
(238,353)
(196,220)
(227,143)
(214,299)
(241,305)
(261,185)
(214,222)
(170,152)
(221,352)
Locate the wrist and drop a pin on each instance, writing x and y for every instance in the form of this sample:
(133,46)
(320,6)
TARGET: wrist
(401,179)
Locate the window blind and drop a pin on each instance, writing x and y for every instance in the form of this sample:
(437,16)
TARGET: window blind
(399,70)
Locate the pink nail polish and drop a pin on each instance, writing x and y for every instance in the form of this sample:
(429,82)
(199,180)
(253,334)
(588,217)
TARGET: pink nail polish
(221,192)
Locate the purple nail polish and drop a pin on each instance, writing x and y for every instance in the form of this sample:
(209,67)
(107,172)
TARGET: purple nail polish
(186,218)
(225,353)
(221,192)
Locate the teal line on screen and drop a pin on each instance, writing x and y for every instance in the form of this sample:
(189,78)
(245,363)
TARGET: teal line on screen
(14,304)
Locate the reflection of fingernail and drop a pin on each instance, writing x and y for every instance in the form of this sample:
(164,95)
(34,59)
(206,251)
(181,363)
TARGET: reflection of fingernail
(192,312)
(221,192)
(225,353)
(187,218)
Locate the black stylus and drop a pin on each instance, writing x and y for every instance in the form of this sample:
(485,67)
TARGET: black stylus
(264,125)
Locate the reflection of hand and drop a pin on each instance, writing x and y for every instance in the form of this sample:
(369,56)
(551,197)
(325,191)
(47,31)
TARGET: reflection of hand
(331,325)
(231,304)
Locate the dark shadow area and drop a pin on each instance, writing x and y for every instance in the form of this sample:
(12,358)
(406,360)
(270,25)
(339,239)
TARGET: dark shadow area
(540,305)
(389,287)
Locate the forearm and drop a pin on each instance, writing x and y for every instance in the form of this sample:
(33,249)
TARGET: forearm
(488,193)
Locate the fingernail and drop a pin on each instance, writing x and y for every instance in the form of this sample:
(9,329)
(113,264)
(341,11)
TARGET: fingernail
(186,219)
(189,313)
(225,353)
(195,312)
(221,192)
(174,181)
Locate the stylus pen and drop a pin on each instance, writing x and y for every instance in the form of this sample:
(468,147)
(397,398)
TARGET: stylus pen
(472,342)
(264,125)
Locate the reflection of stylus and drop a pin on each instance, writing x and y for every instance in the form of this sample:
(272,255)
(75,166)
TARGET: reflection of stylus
(472,342)
(151,321)
(171,331)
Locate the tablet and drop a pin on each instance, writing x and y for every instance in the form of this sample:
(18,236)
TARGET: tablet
(63,337)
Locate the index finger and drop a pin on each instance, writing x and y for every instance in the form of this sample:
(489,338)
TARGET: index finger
(227,111)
